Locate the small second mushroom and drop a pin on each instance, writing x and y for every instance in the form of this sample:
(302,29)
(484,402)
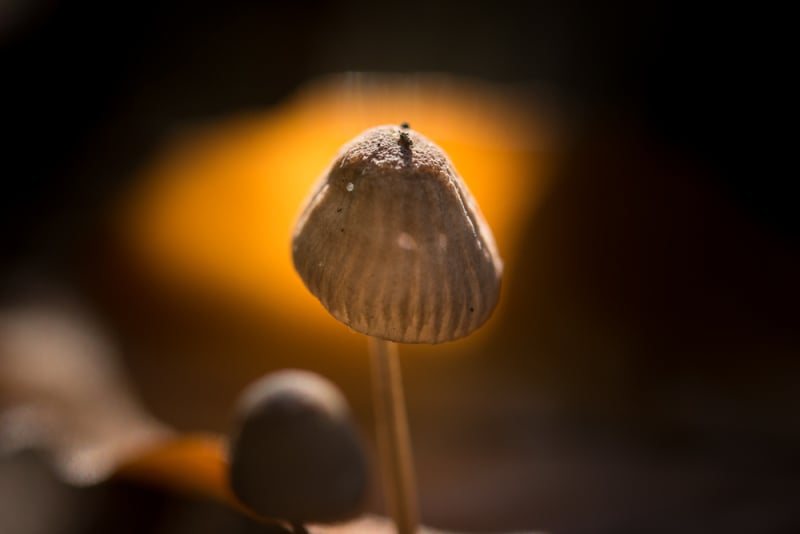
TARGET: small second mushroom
(393,244)
(296,454)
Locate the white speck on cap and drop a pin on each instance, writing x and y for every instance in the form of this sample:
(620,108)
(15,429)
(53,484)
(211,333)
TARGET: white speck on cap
(406,242)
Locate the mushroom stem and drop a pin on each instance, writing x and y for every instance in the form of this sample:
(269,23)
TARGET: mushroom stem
(394,445)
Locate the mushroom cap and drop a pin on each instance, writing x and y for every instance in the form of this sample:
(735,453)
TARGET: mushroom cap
(296,454)
(393,244)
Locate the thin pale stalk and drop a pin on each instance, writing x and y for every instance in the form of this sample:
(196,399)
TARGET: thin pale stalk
(394,444)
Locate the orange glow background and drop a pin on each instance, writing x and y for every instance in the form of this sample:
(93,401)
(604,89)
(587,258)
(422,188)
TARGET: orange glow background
(214,212)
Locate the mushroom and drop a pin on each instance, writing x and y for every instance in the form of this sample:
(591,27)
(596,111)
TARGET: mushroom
(393,245)
(296,454)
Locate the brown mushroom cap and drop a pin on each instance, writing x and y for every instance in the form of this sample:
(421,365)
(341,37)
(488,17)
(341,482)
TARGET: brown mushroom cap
(393,244)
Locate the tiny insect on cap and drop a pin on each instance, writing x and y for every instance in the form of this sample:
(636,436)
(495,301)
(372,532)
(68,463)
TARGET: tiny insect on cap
(393,244)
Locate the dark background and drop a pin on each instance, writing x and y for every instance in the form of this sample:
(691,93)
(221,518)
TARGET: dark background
(88,86)
(668,244)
